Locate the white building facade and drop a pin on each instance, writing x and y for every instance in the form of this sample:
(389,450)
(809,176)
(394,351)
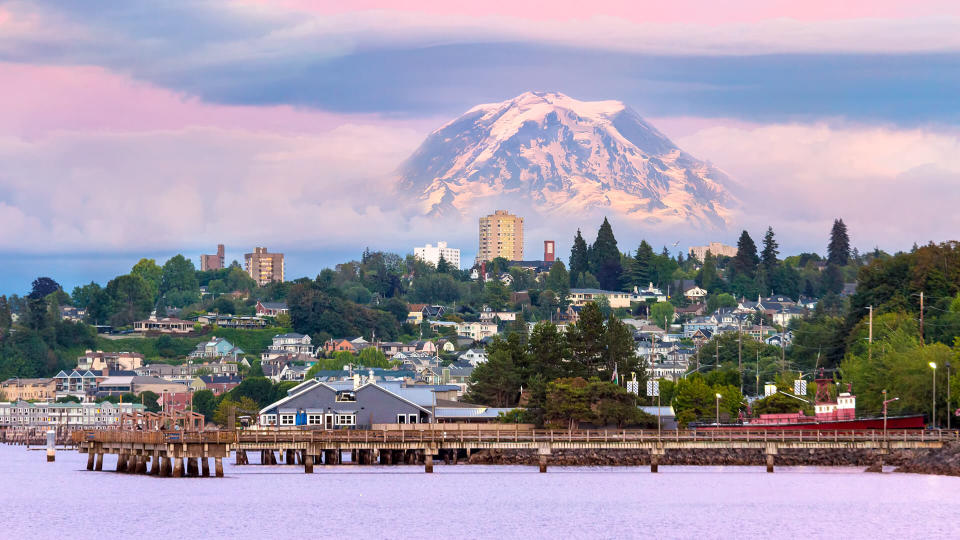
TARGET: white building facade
(432,254)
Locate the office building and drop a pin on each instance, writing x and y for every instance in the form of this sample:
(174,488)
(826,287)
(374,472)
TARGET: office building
(501,235)
(715,248)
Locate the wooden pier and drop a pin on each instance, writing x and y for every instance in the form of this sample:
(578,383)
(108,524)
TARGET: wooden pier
(177,454)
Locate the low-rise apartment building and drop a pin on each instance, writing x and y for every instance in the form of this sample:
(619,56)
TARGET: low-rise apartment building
(17,389)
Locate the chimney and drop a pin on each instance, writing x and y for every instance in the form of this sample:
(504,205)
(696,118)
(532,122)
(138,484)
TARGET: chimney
(356,381)
(548,251)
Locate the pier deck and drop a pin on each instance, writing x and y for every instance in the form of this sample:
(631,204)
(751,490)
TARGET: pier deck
(166,451)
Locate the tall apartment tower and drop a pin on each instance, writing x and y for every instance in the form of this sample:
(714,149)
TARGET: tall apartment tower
(549,254)
(501,235)
(213,262)
(263,266)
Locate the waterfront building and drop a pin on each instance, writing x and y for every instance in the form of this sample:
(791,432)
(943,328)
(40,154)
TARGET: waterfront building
(264,267)
(501,235)
(213,262)
(230,321)
(431,254)
(715,248)
(188,370)
(29,389)
(24,415)
(77,383)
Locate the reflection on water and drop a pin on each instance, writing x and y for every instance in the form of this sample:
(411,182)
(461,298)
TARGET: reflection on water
(63,500)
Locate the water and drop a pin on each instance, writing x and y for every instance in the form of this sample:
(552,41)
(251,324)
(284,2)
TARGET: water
(64,500)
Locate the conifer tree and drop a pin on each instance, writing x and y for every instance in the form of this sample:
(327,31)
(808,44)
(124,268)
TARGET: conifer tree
(838,252)
(605,258)
(768,260)
(641,273)
(746,260)
(579,259)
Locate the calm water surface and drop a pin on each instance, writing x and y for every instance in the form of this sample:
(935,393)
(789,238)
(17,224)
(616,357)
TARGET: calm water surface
(63,500)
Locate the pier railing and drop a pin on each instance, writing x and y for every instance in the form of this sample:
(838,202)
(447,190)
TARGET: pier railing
(438,435)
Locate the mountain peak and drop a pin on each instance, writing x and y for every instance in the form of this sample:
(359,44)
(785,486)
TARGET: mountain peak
(563,155)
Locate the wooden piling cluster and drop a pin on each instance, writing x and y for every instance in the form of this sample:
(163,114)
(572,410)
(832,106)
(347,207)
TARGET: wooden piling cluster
(156,453)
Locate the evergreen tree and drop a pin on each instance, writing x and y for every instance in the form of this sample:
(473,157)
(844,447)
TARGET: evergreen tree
(746,260)
(768,261)
(641,273)
(838,252)
(6,319)
(586,340)
(707,277)
(605,258)
(443,267)
(579,258)
(558,281)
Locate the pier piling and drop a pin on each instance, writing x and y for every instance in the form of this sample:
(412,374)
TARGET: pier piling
(543,463)
(205,467)
(428,462)
(90,457)
(99,463)
(177,468)
(218,467)
(308,464)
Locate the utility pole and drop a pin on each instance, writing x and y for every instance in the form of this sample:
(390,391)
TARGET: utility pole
(783,350)
(758,371)
(870,337)
(740,352)
(921,319)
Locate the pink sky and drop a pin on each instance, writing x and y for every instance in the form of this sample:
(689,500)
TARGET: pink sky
(675,11)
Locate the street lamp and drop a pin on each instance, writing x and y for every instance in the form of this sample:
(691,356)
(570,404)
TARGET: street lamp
(885,402)
(718,408)
(948,395)
(933,417)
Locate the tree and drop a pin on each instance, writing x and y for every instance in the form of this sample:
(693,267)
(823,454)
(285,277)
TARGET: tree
(239,407)
(568,402)
(605,258)
(587,281)
(661,314)
(205,403)
(150,272)
(150,401)
(586,340)
(768,257)
(707,276)
(82,296)
(178,282)
(558,281)
(43,287)
(838,251)
(579,259)
(746,260)
(130,299)
(722,300)
(443,267)
(619,351)
(495,382)
(641,271)
(6,318)
(496,295)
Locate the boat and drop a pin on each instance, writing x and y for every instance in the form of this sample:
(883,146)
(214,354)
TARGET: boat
(829,415)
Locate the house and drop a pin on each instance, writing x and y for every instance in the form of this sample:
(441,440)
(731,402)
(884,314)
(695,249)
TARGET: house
(695,293)
(188,370)
(699,323)
(421,346)
(390,348)
(787,314)
(293,372)
(497,316)
(344,406)
(339,345)
(72,314)
(446,345)
(667,370)
(111,361)
(505,278)
(477,330)
(229,321)
(581,297)
(215,348)
(649,294)
(695,310)
(271,309)
(292,343)
(135,384)
(474,357)
(166,325)
(418,312)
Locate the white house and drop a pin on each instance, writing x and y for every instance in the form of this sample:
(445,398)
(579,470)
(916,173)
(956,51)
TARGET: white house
(477,330)
(474,356)
(695,293)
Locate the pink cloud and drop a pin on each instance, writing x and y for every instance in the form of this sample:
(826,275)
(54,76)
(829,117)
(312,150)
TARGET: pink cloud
(40,99)
(677,11)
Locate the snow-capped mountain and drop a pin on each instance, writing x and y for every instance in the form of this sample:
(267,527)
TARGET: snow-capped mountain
(563,156)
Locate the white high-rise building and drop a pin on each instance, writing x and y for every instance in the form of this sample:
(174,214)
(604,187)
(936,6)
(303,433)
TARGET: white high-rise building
(431,254)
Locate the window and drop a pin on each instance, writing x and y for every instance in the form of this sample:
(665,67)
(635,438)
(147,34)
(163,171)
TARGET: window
(401,419)
(346,419)
(345,395)
(413,419)
(314,419)
(287,419)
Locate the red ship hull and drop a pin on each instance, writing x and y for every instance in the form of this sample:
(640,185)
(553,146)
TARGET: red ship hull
(893,422)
